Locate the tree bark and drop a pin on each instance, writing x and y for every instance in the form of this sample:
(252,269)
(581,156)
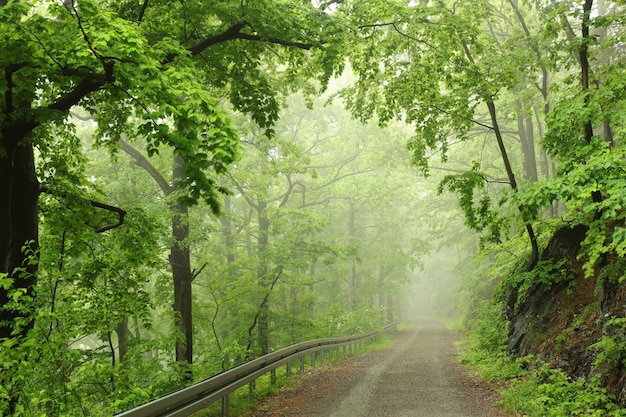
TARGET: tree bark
(19,192)
(227,231)
(19,239)
(596,195)
(182,275)
(123,335)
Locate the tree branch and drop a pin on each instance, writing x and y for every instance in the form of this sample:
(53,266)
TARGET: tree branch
(230,34)
(143,162)
(234,32)
(85,87)
(195,273)
(144,6)
(120,215)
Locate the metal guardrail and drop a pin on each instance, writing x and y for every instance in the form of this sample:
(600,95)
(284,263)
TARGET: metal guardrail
(196,397)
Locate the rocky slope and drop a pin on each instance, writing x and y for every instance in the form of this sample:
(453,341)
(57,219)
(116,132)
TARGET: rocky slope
(571,324)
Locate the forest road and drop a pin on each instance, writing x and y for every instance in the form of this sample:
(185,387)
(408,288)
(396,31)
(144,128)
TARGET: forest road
(419,376)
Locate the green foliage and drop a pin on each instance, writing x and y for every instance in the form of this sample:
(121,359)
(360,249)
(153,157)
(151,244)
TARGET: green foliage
(548,272)
(485,343)
(475,203)
(614,272)
(550,392)
(601,172)
(611,347)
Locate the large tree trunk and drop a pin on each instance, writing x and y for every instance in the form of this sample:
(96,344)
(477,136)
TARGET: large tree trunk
(19,191)
(182,276)
(19,240)
(179,259)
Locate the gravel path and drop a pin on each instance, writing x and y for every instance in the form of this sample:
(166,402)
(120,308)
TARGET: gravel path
(419,376)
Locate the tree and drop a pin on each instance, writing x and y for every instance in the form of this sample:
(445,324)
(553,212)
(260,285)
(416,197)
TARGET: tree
(141,69)
(433,65)
(583,124)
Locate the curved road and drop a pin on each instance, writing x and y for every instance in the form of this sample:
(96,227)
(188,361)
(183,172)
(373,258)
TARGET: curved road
(417,377)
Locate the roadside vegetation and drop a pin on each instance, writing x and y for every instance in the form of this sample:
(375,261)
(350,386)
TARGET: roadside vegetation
(185,186)
(533,385)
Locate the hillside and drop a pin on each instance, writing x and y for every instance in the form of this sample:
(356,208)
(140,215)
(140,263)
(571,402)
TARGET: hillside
(575,324)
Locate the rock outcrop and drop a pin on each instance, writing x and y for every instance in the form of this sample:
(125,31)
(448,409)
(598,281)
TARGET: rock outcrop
(559,321)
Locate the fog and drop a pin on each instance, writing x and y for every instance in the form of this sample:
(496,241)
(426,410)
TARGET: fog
(437,289)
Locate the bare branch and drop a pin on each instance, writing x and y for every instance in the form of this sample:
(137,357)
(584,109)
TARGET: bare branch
(194,273)
(120,213)
(144,6)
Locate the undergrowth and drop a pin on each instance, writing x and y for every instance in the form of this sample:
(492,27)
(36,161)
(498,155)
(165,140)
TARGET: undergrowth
(549,392)
(529,388)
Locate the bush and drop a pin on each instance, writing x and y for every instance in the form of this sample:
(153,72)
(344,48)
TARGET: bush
(549,392)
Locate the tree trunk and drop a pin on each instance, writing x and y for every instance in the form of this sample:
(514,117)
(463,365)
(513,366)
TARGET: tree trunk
(381,290)
(181,274)
(534,257)
(389,308)
(263,324)
(352,259)
(227,231)
(596,196)
(527,140)
(19,192)
(381,286)
(312,289)
(123,335)
(19,240)
(179,258)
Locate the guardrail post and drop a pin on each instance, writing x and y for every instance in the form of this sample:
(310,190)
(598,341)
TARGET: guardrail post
(288,371)
(301,363)
(251,388)
(225,406)
(313,360)
(273,376)
(322,353)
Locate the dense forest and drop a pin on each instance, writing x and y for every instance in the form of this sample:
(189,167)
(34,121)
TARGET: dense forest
(187,185)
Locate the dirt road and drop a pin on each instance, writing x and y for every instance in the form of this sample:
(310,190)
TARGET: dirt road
(417,377)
